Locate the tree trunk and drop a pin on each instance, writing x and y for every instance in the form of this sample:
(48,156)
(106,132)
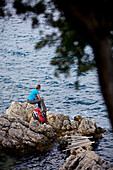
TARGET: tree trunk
(91,23)
(104,61)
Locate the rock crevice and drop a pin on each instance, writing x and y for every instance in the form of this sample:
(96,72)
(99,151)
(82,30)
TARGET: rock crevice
(20,133)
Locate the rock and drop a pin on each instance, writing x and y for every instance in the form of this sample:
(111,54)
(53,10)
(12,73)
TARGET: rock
(78,118)
(79,150)
(68,162)
(101,130)
(85,160)
(90,148)
(45,129)
(58,121)
(87,127)
(98,136)
(20,137)
(4,123)
(54,121)
(23,110)
(15,133)
(66,125)
(21,133)
(74,124)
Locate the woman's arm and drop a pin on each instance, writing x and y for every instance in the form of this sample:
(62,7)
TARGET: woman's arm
(40,97)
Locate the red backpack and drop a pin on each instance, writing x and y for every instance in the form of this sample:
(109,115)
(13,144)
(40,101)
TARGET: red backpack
(40,116)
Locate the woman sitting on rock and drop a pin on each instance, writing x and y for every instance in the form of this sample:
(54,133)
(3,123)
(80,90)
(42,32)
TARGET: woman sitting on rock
(34,98)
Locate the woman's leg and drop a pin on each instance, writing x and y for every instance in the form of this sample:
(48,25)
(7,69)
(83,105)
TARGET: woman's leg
(39,105)
(43,105)
(38,101)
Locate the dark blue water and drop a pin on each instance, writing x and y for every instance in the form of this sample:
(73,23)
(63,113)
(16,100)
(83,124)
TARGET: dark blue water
(51,160)
(22,68)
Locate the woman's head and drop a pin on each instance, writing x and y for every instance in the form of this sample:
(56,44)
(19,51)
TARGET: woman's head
(38,87)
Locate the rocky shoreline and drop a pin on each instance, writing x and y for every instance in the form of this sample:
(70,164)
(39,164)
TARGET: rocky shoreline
(20,134)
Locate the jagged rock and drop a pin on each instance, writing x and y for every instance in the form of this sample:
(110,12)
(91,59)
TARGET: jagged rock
(74,124)
(78,118)
(101,130)
(85,160)
(45,129)
(89,148)
(59,121)
(54,121)
(19,131)
(98,136)
(17,135)
(23,110)
(66,125)
(87,127)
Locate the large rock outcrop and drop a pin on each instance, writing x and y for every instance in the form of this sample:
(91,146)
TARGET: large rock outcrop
(22,110)
(20,132)
(21,136)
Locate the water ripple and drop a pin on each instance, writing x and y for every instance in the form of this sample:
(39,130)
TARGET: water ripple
(21,68)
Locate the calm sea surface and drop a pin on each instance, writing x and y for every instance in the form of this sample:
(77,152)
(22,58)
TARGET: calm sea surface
(22,68)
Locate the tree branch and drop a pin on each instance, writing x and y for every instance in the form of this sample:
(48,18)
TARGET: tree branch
(95,27)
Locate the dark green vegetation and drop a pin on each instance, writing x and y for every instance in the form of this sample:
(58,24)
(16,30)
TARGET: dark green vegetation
(79,23)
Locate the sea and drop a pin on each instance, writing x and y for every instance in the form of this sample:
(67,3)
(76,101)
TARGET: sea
(22,68)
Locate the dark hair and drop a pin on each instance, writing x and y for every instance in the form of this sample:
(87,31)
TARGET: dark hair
(38,86)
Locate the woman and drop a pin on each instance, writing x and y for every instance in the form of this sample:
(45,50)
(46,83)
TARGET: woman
(34,98)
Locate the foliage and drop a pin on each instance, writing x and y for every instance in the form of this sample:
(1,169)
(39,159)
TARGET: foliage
(2,5)
(70,44)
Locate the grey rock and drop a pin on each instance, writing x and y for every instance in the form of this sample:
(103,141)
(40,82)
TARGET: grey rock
(4,122)
(23,110)
(6,143)
(85,160)
(78,118)
(2,135)
(45,129)
(58,121)
(87,127)
(15,133)
(66,125)
(74,124)
(21,133)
